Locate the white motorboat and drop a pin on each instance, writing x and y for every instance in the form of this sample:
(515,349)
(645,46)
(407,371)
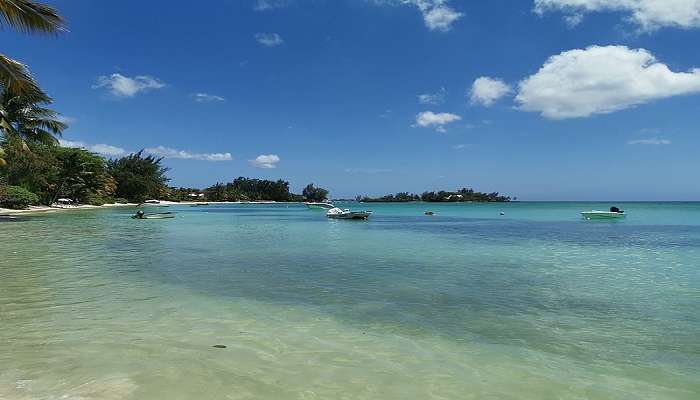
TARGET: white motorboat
(595,214)
(319,205)
(339,213)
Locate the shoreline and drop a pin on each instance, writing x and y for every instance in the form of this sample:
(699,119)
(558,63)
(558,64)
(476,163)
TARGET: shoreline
(51,209)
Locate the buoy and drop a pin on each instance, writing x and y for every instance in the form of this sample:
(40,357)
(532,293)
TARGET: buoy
(219,346)
(502,213)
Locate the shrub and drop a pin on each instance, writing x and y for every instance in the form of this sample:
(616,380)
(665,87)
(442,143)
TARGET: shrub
(17,197)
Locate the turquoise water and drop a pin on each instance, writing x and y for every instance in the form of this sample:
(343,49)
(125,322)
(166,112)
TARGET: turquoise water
(467,304)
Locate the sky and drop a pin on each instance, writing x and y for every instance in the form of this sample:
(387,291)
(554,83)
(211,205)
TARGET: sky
(539,99)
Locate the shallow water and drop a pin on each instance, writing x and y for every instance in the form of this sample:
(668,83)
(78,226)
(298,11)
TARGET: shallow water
(467,304)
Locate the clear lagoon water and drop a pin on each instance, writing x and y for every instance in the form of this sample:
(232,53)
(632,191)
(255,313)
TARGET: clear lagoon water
(467,304)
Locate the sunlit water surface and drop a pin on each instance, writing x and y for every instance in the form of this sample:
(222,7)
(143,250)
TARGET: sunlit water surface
(467,304)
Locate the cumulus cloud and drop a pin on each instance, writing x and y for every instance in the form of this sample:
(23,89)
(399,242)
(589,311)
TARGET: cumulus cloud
(428,119)
(652,141)
(486,91)
(167,152)
(123,86)
(438,15)
(269,39)
(206,98)
(433,98)
(601,80)
(649,15)
(265,161)
(100,148)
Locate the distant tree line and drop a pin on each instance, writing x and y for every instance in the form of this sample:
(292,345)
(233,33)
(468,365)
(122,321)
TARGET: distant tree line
(462,195)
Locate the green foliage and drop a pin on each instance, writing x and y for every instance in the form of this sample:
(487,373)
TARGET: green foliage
(313,193)
(30,17)
(17,197)
(184,194)
(139,178)
(401,197)
(53,172)
(249,189)
(462,195)
(28,118)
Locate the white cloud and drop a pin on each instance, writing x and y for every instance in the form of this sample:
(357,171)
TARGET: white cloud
(460,146)
(123,86)
(427,119)
(167,152)
(265,161)
(206,98)
(652,141)
(433,98)
(269,39)
(438,15)
(103,149)
(649,15)
(486,91)
(162,151)
(601,80)
(267,5)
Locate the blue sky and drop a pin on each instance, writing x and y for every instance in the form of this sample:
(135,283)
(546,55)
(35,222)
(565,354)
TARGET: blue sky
(541,99)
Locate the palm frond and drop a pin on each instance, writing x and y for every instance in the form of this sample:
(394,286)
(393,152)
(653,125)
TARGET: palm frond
(16,80)
(31,17)
(56,127)
(40,135)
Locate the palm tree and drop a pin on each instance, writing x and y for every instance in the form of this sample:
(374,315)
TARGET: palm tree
(30,17)
(28,120)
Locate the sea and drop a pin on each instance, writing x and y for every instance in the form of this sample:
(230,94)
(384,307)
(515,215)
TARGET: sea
(521,300)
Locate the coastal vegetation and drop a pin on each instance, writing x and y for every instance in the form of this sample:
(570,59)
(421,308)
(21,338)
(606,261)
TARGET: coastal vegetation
(137,177)
(313,193)
(461,195)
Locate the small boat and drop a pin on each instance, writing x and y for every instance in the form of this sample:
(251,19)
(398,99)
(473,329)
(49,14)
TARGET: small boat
(319,205)
(164,215)
(199,204)
(595,214)
(338,213)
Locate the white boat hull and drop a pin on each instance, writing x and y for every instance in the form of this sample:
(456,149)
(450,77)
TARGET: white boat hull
(337,213)
(602,215)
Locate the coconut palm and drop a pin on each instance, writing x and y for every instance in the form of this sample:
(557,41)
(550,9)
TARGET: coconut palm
(30,17)
(29,120)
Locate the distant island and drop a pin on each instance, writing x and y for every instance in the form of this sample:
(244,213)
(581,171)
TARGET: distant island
(459,196)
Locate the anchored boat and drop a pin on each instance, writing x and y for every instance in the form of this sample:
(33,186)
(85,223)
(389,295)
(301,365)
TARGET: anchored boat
(338,213)
(614,213)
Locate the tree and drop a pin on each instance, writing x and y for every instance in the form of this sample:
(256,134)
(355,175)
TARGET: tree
(139,178)
(313,193)
(29,17)
(28,119)
(82,177)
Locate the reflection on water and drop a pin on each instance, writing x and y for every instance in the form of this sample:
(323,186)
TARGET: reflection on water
(460,305)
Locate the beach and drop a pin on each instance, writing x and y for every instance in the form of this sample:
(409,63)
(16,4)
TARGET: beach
(468,303)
